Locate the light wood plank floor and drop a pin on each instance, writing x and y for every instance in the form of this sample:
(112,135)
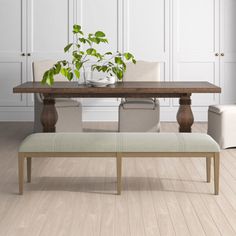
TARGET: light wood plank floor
(76,196)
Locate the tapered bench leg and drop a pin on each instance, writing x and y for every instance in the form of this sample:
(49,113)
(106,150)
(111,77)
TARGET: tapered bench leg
(208,169)
(119,172)
(216,172)
(29,164)
(21,173)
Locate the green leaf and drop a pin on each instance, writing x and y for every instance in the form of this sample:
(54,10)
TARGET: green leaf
(104,40)
(128,56)
(76,55)
(98,68)
(91,51)
(134,61)
(118,61)
(88,41)
(48,77)
(57,68)
(104,68)
(97,55)
(82,40)
(108,53)
(95,40)
(77,73)
(50,80)
(78,65)
(68,47)
(114,69)
(70,76)
(64,63)
(100,34)
(76,29)
(64,72)
(124,66)
(45,76)
(119,74)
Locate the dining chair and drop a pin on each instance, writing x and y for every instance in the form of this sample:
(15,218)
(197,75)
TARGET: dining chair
(221,124)
(140,114)
(69,110)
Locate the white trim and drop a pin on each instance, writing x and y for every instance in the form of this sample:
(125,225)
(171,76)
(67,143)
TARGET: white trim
(16,114)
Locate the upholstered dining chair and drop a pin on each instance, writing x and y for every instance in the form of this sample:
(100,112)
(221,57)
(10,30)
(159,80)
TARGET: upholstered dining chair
(222,125)
(140,114)
(69,111)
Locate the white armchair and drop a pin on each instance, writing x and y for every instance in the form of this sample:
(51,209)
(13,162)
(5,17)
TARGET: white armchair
(69,111)
(140,114)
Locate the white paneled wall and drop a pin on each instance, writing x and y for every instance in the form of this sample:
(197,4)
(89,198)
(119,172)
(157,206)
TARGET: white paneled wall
(149,37)
(228,47)
(195,42)
(12,43)
(192,39)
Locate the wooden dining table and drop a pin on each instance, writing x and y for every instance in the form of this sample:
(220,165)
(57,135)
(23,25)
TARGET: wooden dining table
(181,90)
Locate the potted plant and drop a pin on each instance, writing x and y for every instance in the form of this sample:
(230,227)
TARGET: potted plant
(112,64)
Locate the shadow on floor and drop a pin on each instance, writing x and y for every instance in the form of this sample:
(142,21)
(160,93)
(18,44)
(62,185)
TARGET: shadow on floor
(105,185)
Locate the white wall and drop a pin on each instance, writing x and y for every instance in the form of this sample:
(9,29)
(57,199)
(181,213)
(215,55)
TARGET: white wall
(183,35)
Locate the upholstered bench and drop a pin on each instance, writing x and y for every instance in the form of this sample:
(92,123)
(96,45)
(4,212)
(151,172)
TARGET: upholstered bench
(119,145)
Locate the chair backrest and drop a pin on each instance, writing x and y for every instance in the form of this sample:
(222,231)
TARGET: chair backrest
(142,71)
(39,67)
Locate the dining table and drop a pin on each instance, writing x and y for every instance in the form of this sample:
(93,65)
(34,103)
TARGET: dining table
(169,89)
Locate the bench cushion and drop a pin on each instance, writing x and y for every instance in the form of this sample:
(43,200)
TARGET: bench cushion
(70,142)
(168,142)
(119,142)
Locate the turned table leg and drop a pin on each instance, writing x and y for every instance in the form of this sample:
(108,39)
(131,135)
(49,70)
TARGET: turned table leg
(185,115)
(49,115)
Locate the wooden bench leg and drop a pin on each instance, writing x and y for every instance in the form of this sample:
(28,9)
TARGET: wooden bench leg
(208,169)
(216,172)
(119,172)
(21,173)
(29,164)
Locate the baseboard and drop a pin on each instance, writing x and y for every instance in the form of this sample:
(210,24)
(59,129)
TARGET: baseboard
(16,114)
(97,113)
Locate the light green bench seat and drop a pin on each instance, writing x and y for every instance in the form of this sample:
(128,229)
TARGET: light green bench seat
(119,145)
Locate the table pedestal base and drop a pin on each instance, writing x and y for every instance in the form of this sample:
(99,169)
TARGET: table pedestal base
(49,115)
(185,114)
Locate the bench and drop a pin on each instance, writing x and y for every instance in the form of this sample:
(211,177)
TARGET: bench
(119,145)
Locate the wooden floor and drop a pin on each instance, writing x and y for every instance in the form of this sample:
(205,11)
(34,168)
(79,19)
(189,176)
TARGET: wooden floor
(76,196)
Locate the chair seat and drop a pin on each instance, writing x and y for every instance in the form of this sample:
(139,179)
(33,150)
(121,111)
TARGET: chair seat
(139,103)
(139,99)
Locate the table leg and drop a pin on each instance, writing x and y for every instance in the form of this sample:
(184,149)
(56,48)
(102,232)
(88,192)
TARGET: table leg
(49,115)
(185,115)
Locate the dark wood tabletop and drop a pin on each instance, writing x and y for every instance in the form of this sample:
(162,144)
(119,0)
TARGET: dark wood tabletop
(120,89)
